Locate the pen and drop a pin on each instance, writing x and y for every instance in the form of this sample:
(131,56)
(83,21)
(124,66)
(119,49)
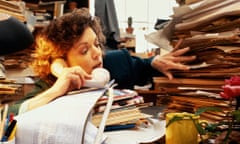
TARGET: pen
(10,128)
(11,117)
(12,135)
(119,127)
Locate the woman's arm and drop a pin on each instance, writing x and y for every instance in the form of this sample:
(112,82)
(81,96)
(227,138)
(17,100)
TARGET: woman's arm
(70,79)
(129,70)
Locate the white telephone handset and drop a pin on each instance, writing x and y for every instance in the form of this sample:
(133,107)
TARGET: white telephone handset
(100,76)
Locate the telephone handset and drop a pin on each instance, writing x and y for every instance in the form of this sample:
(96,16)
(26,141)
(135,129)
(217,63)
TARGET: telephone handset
(100,76)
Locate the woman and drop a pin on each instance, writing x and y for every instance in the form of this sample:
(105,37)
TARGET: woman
(77,38)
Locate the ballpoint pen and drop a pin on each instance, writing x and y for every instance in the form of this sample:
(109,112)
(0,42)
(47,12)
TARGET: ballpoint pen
(9,130)
(12,135)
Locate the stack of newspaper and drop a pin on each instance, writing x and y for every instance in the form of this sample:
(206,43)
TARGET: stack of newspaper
(13,8)
(125,110)
(10,91)
(211,29)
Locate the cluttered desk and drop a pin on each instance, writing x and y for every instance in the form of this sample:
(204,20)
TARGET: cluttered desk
(62,122)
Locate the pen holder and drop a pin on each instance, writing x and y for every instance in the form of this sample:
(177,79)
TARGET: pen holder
(12,141)
(181,129)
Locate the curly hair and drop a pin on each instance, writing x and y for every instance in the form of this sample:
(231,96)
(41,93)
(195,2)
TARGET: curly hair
(54,40)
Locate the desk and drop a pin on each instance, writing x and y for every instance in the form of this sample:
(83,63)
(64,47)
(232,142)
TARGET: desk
(70,113)
(151,135)
(140,135)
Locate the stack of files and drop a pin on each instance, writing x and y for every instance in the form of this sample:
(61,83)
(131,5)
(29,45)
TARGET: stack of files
(211,29)
(13,8)
(41,12)
(18,60)
(190,94)
(125,110)
(10,91)
(45,10)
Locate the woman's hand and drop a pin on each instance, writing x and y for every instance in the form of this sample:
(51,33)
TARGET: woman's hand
(70,79)
(172,60)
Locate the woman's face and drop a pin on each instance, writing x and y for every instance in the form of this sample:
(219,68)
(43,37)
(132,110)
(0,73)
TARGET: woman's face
(86,52)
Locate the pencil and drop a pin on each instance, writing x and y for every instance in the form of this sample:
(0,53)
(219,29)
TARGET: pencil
(3,120)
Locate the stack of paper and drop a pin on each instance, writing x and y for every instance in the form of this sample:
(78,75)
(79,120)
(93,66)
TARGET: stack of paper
(19,60)
(125,108)
(10,91)
(211,28)
(13,8)
(190,94)
(65,120)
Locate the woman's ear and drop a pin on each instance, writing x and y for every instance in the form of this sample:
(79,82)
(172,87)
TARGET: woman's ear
(57,67)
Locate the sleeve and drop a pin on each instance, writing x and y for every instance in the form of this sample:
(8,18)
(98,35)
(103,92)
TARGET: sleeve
(128,70)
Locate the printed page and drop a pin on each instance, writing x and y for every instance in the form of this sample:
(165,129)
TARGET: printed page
(62,121)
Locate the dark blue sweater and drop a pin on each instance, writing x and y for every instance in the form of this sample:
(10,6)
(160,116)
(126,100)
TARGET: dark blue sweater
(128,70)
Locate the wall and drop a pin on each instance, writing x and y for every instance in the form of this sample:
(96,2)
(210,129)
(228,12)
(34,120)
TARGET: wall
(145,14)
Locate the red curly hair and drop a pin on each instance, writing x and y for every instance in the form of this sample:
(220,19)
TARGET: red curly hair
(59,36)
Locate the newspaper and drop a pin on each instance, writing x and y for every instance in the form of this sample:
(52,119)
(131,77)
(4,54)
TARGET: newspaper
(63,121)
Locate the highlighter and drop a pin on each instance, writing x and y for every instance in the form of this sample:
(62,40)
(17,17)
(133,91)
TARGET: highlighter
(12,135)
(10,128)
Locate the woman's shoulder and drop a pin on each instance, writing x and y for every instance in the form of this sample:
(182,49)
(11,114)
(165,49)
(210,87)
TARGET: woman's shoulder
(117,56)
(118,52)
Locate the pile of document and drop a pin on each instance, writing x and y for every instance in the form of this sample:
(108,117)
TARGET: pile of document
(64,120)
(211,28)
(10,91)
(190,94)
(69,120)
(13,8)
(18,60)
(14,74)
(125,110)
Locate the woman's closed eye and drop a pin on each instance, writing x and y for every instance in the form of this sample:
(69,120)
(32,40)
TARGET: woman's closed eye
(97,44)
(83,49)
